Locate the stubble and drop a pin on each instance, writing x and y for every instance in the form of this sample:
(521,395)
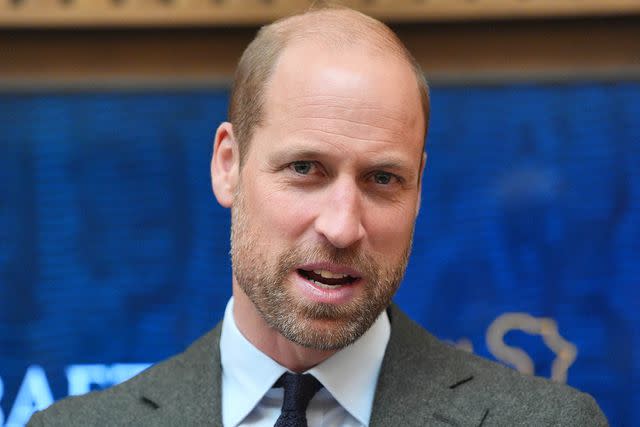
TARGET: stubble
(263,276)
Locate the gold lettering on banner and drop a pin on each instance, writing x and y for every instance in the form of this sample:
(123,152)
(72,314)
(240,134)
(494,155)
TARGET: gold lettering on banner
(547,328)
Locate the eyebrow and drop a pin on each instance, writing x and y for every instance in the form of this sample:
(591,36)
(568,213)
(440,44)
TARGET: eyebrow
(390,164)
(296,153)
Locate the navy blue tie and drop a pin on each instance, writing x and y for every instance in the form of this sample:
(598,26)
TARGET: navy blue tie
(299,389)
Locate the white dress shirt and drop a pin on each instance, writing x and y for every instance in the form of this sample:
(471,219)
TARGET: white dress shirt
(349,378)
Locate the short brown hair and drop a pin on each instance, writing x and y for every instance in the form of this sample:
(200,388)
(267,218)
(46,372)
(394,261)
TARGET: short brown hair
(333,25)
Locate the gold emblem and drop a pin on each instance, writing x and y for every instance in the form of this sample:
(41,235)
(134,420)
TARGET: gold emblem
(547,328)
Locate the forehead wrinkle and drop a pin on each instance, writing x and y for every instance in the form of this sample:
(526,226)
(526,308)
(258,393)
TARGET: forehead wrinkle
(377,132)
(299,103)
(353,121)
(342,142)
(332,100)
(332,140)
(351,114)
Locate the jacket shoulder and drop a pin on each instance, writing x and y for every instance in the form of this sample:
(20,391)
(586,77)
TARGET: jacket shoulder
(135,401)
(514,398)
(117,405)
(494,393)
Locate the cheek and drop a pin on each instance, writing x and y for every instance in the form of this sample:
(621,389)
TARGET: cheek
(389,229)
(281,213)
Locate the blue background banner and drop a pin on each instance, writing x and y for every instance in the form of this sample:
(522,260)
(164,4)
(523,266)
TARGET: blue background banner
(114,253)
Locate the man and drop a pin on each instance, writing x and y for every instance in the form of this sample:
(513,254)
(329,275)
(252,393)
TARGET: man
(321,165)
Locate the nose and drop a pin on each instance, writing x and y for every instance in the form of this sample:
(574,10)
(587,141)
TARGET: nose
(340,217)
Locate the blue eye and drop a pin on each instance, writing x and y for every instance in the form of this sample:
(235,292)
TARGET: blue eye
(382,178)
(302,167)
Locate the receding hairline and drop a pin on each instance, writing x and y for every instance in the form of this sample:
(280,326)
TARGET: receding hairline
(331,26)
(339,26)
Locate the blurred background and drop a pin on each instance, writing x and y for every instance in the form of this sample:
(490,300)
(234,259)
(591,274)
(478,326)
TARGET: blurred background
(114,253)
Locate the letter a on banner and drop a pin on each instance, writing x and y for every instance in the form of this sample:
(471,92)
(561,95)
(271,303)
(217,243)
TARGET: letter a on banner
(34,394)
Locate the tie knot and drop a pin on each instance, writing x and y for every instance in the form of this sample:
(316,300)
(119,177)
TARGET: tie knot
(299,389)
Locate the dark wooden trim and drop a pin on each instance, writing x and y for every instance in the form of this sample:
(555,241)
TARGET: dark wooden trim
(449,52)
(189,13)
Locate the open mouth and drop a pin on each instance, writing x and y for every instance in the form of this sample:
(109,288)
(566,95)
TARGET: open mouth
(326,278)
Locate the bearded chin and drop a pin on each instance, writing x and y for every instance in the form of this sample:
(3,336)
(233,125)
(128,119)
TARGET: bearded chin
(320,326)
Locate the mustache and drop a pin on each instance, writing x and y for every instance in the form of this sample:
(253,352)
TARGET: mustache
(350,257)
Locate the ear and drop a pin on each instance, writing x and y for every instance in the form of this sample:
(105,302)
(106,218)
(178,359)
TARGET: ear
(423,163)
(225,165)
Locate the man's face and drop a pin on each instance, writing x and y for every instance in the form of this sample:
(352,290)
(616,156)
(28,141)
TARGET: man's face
(323,216)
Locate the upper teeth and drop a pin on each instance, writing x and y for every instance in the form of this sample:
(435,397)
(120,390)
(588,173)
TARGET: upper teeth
(329,275)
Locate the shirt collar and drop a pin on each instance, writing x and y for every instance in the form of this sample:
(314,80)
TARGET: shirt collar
(350,375)
(247,373)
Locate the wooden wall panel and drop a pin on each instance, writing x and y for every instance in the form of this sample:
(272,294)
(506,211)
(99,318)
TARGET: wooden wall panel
(188,13)
(449,52)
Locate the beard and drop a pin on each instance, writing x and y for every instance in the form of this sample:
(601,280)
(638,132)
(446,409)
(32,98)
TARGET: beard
(262,276)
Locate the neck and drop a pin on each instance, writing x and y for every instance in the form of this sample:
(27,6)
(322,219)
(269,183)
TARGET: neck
(253,327)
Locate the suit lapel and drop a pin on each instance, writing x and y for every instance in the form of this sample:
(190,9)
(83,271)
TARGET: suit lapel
(186,390)
(419,384)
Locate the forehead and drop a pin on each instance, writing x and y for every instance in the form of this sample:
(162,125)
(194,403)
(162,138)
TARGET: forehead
(358,93)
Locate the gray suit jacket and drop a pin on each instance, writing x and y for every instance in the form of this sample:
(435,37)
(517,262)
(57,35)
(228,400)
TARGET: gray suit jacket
(423,382)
